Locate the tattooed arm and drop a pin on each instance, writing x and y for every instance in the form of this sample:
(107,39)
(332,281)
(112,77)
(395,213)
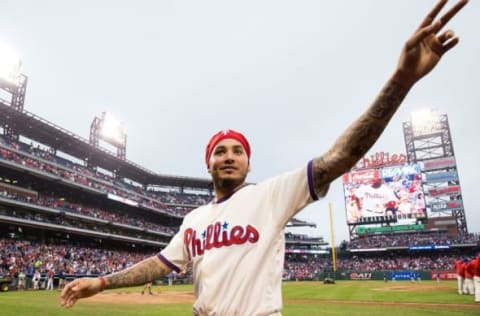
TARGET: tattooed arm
(419,56)
(359,137)
(143,272)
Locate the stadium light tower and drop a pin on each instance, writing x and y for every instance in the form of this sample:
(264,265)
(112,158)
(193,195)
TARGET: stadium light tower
(428,141)
(13,83)
(110,130)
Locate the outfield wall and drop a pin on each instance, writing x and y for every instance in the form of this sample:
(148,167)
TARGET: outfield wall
(396,275)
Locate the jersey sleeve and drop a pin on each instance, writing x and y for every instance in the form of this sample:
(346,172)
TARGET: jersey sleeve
(175,255)
(290,192)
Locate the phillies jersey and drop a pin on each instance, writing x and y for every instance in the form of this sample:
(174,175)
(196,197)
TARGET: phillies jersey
(374,200)
(237,247)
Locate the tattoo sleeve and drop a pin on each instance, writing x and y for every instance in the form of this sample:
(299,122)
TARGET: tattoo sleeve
(143,272)
(359,137)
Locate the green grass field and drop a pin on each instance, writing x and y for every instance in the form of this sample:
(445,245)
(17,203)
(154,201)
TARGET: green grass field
(300,298)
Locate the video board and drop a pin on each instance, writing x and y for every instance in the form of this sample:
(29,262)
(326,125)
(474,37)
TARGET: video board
(384,195)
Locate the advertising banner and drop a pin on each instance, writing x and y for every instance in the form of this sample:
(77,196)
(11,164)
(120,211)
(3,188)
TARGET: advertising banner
(443,275)
(429,247)
(308,251)
(441,177)
(405,275)
(360,275)
(443,206)
(448,190)
(362,230)
(122,199)
(439,163)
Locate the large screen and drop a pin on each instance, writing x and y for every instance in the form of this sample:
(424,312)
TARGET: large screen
(390,194)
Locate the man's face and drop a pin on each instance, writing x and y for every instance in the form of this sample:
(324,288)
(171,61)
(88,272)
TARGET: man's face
(228,164)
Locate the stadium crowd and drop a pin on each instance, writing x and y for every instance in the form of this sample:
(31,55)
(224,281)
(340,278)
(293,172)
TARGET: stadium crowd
(298,267)
(68,259)
(124,221)
(95,213)
(19,256)
(433,261)
(410,239)
(32,157)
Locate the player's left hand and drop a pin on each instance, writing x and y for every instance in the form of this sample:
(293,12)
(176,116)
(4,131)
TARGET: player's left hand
(425,48)
(79,288)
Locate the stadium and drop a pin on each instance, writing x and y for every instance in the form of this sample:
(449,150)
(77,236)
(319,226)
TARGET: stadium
(72,207)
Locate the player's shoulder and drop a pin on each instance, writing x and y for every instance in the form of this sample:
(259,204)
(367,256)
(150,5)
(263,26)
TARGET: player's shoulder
(286,176)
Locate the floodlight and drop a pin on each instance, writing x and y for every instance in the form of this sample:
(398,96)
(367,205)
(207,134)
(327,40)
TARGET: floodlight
(421,116)
(425,121)
(10,64)
(112,129)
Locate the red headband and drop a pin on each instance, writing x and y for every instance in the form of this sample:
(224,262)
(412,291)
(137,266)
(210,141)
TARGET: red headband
(224,135)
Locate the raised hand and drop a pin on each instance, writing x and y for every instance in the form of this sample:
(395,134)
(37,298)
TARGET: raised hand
(426,47)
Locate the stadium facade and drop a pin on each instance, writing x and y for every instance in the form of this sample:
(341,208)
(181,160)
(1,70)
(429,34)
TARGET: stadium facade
(69,206)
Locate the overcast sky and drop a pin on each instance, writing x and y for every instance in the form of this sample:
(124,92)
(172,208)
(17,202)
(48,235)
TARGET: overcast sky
(291,75)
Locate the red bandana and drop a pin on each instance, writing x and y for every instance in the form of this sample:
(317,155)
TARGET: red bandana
(224,135)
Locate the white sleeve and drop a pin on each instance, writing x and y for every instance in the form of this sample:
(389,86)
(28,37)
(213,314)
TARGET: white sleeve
(175,255)
(290,192)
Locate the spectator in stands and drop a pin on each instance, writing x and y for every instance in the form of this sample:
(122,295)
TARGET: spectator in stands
(222,239)
(426,238)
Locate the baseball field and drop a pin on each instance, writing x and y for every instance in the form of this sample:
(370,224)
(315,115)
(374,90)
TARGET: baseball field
(300,298)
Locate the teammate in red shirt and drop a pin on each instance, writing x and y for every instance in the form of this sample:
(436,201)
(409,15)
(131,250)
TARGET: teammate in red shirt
(460,275)
(469,289)
(476,278)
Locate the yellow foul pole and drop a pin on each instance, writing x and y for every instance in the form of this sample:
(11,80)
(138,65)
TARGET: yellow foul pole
(332,238)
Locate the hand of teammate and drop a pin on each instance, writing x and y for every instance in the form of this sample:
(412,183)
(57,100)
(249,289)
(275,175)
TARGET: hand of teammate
(424,49)
(79,288)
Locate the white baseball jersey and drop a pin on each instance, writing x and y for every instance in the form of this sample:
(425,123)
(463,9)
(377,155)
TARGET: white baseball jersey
(237,245)
(374,199)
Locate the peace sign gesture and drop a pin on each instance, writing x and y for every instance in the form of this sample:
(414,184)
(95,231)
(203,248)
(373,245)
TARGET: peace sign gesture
(424,49)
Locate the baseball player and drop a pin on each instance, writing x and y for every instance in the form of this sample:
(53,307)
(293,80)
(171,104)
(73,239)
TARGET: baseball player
(236,242)
(377,198)
(147,286)
(460,271)
(468,285)
(476,278)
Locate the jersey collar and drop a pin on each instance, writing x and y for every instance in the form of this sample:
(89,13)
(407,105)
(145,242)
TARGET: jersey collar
(215,201)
